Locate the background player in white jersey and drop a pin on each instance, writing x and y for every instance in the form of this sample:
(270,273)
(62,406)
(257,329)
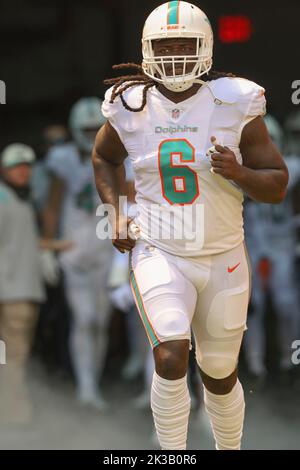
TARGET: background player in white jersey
(188,267)
(292,149)
(71,211)
(271,238)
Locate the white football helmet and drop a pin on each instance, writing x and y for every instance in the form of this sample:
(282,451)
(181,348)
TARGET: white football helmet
(84,121)
(275,130)
(177,19)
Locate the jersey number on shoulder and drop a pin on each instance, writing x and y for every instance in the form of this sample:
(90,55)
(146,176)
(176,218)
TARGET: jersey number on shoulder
(179,182)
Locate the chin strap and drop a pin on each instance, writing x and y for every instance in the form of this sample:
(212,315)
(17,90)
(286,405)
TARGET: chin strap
(179,87)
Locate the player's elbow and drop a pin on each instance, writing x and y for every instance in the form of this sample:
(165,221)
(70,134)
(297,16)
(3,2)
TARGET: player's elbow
(282,180)
(279,195)
(275,191)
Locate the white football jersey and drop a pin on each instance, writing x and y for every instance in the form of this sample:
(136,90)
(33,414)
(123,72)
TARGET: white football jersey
(80,196)
(183,208)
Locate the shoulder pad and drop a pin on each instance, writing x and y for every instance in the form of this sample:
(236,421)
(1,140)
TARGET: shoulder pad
(234,89)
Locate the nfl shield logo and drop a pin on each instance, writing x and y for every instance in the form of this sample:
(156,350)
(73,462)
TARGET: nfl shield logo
(175,113)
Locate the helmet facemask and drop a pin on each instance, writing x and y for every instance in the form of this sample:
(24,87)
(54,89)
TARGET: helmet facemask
(177,72)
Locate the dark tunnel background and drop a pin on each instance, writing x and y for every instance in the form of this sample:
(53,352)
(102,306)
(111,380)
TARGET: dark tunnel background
(56,51)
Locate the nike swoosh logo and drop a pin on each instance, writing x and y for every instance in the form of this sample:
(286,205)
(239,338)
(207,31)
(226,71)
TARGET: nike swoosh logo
(230,270)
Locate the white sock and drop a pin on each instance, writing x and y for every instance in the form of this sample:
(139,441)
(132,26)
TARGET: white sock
(226,414)
(170,404)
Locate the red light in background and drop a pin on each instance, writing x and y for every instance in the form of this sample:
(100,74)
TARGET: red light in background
(235,28)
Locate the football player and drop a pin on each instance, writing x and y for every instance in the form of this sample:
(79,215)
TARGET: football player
(197,141)
(70,211)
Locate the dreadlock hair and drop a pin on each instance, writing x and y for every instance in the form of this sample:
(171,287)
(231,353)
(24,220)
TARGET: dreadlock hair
(122,83)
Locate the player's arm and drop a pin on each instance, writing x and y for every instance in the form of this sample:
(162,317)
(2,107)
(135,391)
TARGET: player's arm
(263,175)
(109,154)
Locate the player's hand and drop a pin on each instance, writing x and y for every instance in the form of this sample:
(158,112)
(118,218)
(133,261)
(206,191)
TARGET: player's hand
(126,234)
(224,162)
(50,267)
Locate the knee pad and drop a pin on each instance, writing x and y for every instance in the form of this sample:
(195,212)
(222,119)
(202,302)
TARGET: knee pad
(170,323)
(217,366)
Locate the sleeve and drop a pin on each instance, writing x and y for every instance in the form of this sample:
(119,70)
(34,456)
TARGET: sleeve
(124,121)
(252,103)
(111,111)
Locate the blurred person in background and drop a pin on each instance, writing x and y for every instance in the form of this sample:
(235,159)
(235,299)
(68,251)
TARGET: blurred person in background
(292,150)
(70,213)
(292,134)
(51,338)
(271,240)
(40,183)
(21,277)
